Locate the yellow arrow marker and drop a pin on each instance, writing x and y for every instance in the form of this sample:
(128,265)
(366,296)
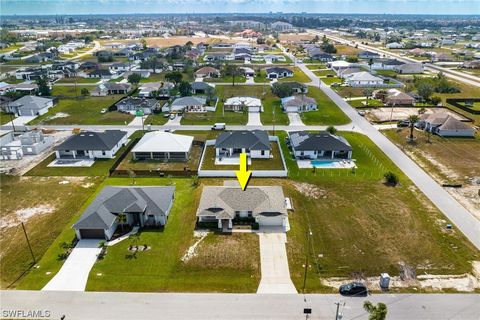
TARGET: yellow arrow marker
(243,175)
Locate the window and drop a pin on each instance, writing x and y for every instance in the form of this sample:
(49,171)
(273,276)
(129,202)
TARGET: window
(104,153)
(263,152)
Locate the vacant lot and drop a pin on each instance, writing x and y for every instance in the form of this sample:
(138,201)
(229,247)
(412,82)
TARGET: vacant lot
(328,112)
(362,227)
(346,50)
(45,205)
(78,80)
(84,110)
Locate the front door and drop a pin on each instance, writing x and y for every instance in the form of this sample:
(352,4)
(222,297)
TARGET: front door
(136,219)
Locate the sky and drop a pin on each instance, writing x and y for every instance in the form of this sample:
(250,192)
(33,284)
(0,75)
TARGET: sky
(43,7)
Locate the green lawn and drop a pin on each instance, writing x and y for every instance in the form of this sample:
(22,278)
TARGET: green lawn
(323,73)
(62,200)
(5,117)
(69,91)
(156,119)
(331,80)
(316,66)
(84,110)
(78,80)
(270,103)
(156,77)
(226,79)
(11,48)
(99,168)
(298,75)
(388,73)
(13,80)
(328,112)
(361,226)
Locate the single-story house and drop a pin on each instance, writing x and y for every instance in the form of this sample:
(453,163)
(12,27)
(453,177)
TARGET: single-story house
(102,74)
(133,104)
(363,79)
(255,144)
(318,54)
(207,72)
(394,45)
(216,56)
(386,64)
(224,204)
(321,145)
(111,88)
(248,72)
(243,103)
(395,97)
(296,86)
(164,146)
(92,145)
(30,106)
(409,68)
(120,67)
(201,87)
(189,104)
(368,55)
(144,74)
(344,73)
(142,206)
(299,103)
(278,73)
(146,89)
(445,125)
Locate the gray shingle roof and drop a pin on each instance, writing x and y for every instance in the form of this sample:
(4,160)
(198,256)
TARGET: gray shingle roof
(321,141)
(111,201)
(31,102)
(90,140)
(253,140)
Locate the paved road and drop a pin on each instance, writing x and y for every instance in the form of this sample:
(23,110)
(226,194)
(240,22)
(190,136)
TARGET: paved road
(274,262)
(456,75)
(116,305)
(460,216)
(73,275)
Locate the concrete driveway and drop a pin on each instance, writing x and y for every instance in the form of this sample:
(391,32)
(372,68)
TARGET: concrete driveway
(73,275)
(254,119)
(274,262)
(295,119)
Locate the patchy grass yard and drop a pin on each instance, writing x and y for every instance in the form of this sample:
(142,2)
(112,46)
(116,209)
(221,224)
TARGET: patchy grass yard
(69,91)
(346,50)
(49,203)
(274,163)
(298,75)
(84,110)
(316,66)
(223,263)
(5,117)
(78,80)
(362,227)
(328,112)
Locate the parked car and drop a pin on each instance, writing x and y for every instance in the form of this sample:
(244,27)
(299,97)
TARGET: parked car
(219,126)
(335,84)
(362,113)
(104,110)
(403,123)
(353,289)
(330,75)
(172,116)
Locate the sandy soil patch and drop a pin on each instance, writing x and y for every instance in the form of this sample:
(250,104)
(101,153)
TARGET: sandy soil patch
(58,115)
(192,250)
(464,282)
(385,114)
(24,214)
(309,190)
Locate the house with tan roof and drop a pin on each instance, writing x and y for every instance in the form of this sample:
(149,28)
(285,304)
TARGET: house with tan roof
(207,72)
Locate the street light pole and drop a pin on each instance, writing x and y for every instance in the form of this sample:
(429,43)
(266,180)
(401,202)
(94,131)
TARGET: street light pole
(28,242)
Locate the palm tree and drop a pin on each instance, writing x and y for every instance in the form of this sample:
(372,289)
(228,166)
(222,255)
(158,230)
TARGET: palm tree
(412,119)
(378,312)
(122,219)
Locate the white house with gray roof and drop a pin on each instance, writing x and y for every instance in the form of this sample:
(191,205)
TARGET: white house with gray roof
(142,206)
(254,143)
(30,106)
(298,103)
(92,145)
(224,204)
(321,145)
(189,104)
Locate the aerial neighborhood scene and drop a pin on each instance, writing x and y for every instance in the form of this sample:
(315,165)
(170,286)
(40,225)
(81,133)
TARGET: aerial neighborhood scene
(240,159)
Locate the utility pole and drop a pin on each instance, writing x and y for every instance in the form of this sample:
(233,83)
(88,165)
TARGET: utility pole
(11,120)
(28,242)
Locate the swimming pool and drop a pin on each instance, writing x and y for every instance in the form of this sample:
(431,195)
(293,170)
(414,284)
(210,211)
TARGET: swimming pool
(324,164)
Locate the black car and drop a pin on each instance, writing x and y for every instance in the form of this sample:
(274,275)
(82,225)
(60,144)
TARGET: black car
(403,124)
(353,289)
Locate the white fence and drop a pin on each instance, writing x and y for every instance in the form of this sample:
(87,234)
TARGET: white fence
(255,173)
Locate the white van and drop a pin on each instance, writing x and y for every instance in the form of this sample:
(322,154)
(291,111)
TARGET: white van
(219,126)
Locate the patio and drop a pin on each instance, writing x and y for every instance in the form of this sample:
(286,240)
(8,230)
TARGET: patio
(232,160)
(79,162)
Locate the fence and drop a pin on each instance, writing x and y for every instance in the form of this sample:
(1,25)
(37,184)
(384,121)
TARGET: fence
(255,173)
(455,102)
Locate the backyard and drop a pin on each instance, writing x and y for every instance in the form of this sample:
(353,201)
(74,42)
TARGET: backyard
(328,112)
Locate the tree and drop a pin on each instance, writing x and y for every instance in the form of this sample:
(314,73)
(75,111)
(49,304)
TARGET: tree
(332,130)
(189,45)
(424,89)
(184,88)
(174,77)
(352,59)
(84,92)
(134,78)
(370,63)
(152,63)
(282,89)
(43,87)
(122,219)
(144,43)
(412,119)
(378,312)
(232,70)
(391,178)
(368,93)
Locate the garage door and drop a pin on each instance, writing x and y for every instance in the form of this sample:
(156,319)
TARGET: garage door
(270,221)
(92,233)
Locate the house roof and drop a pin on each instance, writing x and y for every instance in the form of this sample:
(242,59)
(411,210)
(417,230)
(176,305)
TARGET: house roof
(30,102)
(111,201)
(253,140)
(277,70)
(189,101)
(160,141)
(90,140)
(224,201)
(434,118)
(452,124)
(298,100)
(363,76)
(321,141)
(134,102)
(206,70)
(243,101)
(200,86)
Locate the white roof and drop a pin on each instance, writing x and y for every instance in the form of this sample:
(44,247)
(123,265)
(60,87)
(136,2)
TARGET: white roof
(363,76)
(160,141)
(244,101)
(339,63)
